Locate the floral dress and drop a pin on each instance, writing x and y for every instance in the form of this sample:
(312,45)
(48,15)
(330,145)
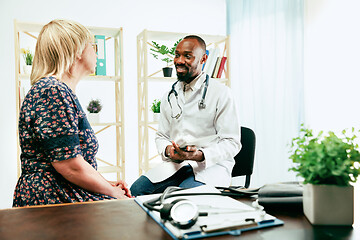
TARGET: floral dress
(52,127)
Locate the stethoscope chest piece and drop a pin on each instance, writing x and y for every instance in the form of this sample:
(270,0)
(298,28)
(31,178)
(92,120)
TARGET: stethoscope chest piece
(202,105)
(181,213)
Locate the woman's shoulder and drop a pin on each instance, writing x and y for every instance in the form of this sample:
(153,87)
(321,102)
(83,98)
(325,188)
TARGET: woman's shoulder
(48,88)
(51,86)
(50,82)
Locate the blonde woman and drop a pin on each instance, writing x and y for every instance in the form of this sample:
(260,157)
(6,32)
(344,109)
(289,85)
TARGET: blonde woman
(58,146)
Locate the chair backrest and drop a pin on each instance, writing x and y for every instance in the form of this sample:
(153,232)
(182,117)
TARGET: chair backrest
(244,160)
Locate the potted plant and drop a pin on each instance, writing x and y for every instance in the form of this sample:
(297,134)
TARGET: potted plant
(328,165)
(28,57)
(94,108)
(155,108)
(167,53)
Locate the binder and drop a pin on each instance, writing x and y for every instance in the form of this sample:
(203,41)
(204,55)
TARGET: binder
(203,66)
(101,55)
(211,61)
(227,216)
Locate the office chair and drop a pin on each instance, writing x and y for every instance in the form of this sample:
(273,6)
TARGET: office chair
(244,160)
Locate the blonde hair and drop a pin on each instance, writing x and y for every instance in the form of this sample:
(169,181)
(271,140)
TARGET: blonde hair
(58,44)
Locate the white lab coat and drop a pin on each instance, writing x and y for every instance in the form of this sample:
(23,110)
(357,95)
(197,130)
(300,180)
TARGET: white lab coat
(214,130)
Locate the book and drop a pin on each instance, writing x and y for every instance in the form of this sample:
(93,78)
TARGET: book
(211,61)
(221,67)
(216,68)
(224,215)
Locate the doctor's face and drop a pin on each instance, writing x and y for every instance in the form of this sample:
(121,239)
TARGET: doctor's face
(188,60)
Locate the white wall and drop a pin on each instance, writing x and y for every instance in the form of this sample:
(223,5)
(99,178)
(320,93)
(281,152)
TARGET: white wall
(332,64)
(201,16)
(332,68)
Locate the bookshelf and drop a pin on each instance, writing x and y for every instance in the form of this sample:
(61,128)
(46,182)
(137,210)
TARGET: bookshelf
(113,82)
(152,85)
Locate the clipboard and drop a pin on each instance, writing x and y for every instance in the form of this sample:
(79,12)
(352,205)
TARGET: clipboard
(228,219)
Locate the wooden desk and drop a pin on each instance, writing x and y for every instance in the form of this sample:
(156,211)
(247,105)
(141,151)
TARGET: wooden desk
(297,227)
(124,219)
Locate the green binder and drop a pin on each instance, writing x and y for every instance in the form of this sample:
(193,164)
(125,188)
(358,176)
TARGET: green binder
(101,55)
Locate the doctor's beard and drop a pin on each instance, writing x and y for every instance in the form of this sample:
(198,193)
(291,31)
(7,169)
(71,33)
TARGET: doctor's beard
(187,77)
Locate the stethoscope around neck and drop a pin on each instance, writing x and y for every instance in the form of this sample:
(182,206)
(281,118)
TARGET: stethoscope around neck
(201,103)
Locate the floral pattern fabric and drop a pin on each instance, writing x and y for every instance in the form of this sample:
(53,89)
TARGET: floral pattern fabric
(52,127)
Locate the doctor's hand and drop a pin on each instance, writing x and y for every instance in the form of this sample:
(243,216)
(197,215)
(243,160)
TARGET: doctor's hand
(178,155)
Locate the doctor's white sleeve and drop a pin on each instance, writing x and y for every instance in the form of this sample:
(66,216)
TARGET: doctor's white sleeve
(228,131)
(162,136)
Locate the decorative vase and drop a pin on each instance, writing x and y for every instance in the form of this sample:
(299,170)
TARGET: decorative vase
(167,71)
(94,117)
(329,204)
(27,69)
(156,117)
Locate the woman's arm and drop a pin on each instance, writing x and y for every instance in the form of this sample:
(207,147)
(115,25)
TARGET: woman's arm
(78,171)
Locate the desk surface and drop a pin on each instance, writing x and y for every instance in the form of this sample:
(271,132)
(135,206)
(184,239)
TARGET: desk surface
(124,219)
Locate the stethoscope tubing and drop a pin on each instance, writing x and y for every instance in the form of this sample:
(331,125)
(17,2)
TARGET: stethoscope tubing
(202,105)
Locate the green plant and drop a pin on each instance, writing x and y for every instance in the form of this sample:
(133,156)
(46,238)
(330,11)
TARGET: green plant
(165,51)
(326,159)
(94,106)
(155,106)
(27,55)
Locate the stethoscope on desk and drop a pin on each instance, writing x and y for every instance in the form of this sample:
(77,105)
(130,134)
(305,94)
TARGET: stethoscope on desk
(183,213)
(201,103)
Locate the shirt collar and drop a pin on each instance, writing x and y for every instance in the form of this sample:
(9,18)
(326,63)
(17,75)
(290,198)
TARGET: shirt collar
(196,83)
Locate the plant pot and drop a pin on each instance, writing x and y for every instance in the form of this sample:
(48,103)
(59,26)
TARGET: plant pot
(94,117)
(329,204)
(167,71)
(156,117)
(27,69)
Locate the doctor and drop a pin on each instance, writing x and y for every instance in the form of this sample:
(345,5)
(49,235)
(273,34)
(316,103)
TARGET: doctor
(199,133)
